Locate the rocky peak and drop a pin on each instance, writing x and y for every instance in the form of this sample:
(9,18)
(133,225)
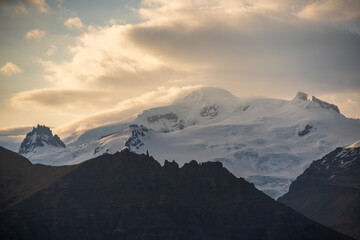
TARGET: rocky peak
(39,137)
(134,141)
(302,99)
(302,96)
(325,105)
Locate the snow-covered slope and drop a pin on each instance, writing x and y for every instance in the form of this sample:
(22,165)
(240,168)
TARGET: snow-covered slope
(40,136)
(203,106)
(42,146)
(268,141)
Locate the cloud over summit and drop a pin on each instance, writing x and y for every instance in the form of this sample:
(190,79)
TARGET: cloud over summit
(255,48)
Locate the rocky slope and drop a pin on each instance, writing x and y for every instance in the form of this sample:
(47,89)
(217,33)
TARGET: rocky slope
(329,191)
(40,136)
(130,196)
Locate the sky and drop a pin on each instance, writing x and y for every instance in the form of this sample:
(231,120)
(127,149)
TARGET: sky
(62,61)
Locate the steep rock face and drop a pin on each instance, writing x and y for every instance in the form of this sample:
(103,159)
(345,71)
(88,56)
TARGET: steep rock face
(300,97)
(305,131)
(130,196)
(329,191)
(134,141)
(325,105)
(39,137)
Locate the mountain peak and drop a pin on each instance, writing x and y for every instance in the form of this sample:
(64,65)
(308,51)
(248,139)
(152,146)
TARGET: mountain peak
(40,136)
(300,97)
(325,105)
(208,96)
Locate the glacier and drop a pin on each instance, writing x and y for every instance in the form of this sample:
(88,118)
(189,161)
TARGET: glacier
(269,142)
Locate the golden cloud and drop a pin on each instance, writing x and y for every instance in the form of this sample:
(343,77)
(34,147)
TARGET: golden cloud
(332,10)
(10,69)
(73,23)
(36,34)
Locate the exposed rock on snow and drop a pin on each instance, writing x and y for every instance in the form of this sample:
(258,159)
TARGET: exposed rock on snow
(325,105)
(39,137)
(305,131)
(258,137)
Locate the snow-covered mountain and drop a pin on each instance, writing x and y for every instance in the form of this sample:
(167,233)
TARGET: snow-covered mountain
(40,136)
(42,146)
(267,141)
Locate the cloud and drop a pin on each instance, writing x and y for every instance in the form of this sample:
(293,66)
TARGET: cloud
(36,34)
(73,23)
(116,109)
(204,41)
(10,69)
(332,10)
(127,109)
(67,99)
(253,48)
(114,21)
(250,47)
(105,58)
(15,131)
(51,50)
(16,7)
(21,6)
(41,5)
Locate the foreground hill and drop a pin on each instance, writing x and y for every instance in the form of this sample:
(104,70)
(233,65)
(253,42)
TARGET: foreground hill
(130,196)
(19,178)
(329,191)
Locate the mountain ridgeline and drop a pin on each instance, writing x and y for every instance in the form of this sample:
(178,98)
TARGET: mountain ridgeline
(131,196)
(329,191)
(266,141)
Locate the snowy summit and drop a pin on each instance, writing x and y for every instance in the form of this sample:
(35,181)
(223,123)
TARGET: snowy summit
(40,136)
(267,141)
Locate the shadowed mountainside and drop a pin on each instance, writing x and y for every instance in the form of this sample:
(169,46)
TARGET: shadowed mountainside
(329,191)
(19,178)
(130,196)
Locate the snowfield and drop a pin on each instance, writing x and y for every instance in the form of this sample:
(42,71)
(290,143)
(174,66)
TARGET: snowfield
(267,141)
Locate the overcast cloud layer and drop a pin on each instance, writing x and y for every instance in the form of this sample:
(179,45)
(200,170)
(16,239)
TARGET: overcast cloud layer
(252,48)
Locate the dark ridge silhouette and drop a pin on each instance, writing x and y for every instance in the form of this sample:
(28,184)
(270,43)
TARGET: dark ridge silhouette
(19,178)
(329,191)
(130,196)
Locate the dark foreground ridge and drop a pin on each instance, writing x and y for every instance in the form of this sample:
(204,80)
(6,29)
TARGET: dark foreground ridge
(130,196)
(19,178)
(329,191)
